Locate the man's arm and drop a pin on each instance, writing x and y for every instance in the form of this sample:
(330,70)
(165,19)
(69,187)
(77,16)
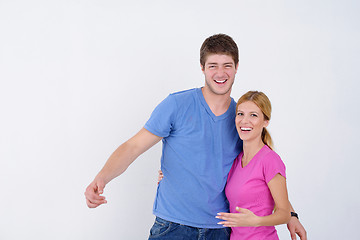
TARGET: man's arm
(117,163)
(295,227)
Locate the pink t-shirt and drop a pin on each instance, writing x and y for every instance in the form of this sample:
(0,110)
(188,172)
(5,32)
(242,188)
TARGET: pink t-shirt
(247,188)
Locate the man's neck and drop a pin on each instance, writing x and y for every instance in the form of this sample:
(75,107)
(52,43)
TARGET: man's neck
(218,104)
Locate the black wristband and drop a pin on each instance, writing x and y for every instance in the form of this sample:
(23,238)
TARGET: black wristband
(294,214)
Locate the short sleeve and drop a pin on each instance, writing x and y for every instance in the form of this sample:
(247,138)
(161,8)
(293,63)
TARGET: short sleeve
(272,166)
(161,121)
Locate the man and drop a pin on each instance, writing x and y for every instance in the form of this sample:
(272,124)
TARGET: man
(200,143)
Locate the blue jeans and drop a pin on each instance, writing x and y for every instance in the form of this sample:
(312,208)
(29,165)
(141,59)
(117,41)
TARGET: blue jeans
(165,230)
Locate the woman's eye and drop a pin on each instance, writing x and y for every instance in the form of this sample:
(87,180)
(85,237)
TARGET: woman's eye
(239,114)
(253,115)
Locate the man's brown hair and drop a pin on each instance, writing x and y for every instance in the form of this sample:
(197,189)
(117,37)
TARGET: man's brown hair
(219,44)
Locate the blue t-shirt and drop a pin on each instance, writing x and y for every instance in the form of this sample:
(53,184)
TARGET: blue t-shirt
(198,151)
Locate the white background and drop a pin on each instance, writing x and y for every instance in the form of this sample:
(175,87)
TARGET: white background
(79,77)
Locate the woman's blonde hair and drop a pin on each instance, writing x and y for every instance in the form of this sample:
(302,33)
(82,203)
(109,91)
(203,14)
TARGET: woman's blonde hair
(263,102)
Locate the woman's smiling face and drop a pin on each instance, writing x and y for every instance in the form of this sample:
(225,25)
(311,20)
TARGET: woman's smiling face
(250,121)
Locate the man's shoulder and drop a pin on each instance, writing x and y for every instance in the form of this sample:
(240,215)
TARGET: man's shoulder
(185,96)
(185,93)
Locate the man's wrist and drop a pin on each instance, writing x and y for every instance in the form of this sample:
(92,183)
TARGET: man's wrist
(294,214)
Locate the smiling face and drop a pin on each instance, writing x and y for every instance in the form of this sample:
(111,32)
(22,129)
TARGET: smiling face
(219,71)
(250,121)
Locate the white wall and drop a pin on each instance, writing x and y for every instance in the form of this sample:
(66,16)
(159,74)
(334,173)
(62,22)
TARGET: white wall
(78,78)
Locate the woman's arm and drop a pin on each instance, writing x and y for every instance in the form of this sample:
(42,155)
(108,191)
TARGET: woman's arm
(281,214)
(246,218)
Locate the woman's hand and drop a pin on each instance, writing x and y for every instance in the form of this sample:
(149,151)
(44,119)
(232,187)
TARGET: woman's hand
(245,218)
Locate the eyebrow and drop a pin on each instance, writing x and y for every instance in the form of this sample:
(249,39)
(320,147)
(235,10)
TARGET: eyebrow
(222,64)
(239,110)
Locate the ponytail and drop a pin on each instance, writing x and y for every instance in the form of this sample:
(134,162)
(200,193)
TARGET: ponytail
(266,138)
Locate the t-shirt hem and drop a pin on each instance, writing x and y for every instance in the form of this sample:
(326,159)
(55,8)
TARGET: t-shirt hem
(187,223)
(147,127)
(274,174)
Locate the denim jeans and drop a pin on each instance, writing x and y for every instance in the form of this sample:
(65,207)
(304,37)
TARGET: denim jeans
(165,230)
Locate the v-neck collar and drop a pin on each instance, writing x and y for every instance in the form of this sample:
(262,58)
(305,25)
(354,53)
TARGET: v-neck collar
(256,156)
(226,114)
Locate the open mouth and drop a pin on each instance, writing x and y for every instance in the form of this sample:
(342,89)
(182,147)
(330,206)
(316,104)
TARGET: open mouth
(220,81)
(245,129)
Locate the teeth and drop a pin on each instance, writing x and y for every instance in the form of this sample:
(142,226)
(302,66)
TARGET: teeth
(245,129)
(220,81)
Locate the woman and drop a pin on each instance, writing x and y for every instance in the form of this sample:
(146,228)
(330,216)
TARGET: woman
(256,182)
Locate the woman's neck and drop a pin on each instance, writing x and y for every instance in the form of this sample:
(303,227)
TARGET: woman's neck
(250,149)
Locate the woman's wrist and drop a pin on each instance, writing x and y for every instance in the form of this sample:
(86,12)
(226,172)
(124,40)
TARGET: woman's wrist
(258,221)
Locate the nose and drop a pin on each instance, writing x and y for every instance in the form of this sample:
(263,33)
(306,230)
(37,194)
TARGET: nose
(245,119)
(241,119)
(220,72)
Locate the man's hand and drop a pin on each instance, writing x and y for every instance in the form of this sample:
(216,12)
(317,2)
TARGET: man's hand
(160,176)
(92,193)
(295,227)
(118,162)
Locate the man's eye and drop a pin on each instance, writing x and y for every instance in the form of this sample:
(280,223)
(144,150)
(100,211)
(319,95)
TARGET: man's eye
(228,66)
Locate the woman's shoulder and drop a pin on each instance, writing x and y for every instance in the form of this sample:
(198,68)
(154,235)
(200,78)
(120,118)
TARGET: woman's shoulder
(270,155)
(272,164)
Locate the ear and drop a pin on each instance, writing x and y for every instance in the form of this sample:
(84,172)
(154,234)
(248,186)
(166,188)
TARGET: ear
(202,68)
(236,67)
(266,123)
